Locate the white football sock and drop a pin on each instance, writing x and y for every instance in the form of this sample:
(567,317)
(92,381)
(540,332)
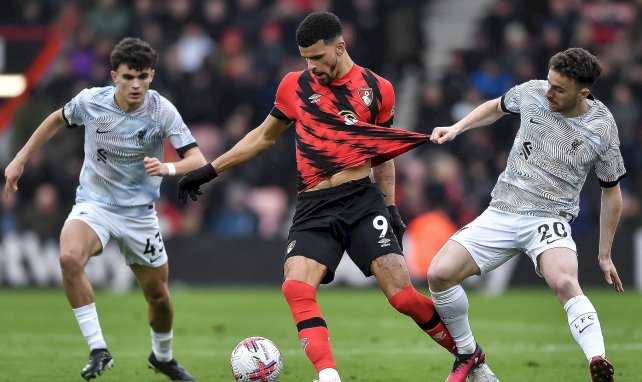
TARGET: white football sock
(452,306)
(585,326)
(329,375)
(162,345)
(87,318)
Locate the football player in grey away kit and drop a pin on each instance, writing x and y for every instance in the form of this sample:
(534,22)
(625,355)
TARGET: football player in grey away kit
(564,132)
(124,127)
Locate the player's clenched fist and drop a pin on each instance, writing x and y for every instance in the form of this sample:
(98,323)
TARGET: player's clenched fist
(190,183)
(443,134)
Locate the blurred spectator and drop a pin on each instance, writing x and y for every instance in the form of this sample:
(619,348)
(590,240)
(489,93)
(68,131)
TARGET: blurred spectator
(44,217)
(109,19)
(234,218)
(491,79)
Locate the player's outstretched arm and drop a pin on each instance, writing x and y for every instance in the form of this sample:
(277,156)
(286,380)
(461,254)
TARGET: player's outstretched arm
(47,129)
(609,217)
(254,142)
(482,115)
(193,158)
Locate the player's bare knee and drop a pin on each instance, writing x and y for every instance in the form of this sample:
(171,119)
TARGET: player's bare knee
(160,301)
(439,278)
(565,286)
(71,262)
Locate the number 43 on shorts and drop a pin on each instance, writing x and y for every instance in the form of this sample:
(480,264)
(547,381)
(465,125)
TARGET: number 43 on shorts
(151,248)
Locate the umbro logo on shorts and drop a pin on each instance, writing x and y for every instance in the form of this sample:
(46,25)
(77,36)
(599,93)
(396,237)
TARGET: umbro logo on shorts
(385,242)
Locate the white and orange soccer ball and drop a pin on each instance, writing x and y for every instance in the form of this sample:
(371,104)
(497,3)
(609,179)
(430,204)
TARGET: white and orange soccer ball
(256,359)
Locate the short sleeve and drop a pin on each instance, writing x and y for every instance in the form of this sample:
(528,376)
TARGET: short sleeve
(386,113)
(609,167)
(284,105)
(72,111)
(511,101)
(174,128)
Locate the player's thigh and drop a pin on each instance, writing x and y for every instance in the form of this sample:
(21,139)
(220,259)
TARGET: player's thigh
(312,256)
(141,242)
(452,264)
(81,238)
(559,267)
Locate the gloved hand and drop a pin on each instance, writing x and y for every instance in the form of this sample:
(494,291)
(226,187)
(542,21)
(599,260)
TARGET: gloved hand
(190,183)
(398,227)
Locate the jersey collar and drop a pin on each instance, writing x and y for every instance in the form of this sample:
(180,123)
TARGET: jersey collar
(352,73)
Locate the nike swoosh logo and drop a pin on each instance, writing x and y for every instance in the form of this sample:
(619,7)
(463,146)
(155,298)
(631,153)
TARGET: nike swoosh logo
(553,241)
(581,330)
(102,132)
(535,122)
(152,260)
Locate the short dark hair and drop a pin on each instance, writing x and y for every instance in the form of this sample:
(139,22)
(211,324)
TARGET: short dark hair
(317,26)
(578,64)
(133,52)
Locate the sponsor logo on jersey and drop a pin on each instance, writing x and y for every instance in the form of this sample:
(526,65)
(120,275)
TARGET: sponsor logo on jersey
(102,155)
(526,150)
(349,118)
(365,94)
(314,98)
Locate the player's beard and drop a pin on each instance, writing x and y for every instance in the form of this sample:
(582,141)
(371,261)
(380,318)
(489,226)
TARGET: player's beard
(328,78)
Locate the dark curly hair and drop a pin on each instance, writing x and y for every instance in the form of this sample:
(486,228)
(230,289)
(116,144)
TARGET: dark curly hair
(133,52)
(317,26)
(578,64)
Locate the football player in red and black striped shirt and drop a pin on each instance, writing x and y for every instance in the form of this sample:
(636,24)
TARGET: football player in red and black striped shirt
(342,115)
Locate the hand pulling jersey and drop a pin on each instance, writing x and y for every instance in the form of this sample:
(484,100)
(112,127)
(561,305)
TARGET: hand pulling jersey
(116,143)
(552,154)
(336,125)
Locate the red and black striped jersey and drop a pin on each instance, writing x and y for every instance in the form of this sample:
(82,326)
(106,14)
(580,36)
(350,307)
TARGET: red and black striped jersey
(342,125)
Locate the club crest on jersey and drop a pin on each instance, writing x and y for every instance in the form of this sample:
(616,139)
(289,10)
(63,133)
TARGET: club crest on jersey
(349,118)
(365,94)
(140,137)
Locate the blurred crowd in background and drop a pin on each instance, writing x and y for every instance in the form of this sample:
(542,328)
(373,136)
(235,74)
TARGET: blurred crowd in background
(220,62)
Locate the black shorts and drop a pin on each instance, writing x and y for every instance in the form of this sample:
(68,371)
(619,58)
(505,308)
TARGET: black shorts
(351,217)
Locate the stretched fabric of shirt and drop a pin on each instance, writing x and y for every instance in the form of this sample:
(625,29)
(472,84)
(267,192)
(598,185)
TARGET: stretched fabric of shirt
(342,125)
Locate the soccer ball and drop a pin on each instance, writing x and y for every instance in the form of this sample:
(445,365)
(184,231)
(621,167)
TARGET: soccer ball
(256,359)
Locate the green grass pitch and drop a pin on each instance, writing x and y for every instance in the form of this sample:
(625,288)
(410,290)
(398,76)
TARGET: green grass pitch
(524,333)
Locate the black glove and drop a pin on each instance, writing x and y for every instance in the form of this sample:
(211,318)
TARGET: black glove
(190,183)
(398,227)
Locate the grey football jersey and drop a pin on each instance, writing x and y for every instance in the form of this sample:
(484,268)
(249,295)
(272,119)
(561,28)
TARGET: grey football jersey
(116,143)
(552,154)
